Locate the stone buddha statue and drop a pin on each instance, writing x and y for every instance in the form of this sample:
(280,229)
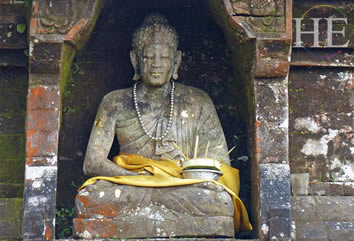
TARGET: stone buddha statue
(150,120)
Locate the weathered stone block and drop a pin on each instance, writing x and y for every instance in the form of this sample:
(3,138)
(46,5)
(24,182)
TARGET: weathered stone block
(271,122)
(11,208)
(12,147)
(301,57)
(272,102)
(10,230)
(12,171)
(348,188)
(336,189)
(140,228)
(300,184)
(259,8)
(303,209)
(12,100)
(340,230)
(43,97)
(320,123)
(11,218)
(329,189)
(45,120)
(108,210)
(279,223)
(13,123)
(47,50)
(41,143)
(44,66)
(44,79)
(42,132)
(321,189)
(39,202)
(37,225)
(335,208)
(325,156)
(11,78)
(271,143)
(45,56)
(12,12)
(41,161)
(275,200)
(11,38)
(317,91)
(40,184)
(311,230)
(274,24)
(13,58)
(11,190)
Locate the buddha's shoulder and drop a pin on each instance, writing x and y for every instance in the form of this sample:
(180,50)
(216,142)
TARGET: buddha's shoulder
(192,94)
(118,95)
(121,98)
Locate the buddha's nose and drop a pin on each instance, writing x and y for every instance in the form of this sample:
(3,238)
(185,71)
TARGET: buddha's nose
(156,61)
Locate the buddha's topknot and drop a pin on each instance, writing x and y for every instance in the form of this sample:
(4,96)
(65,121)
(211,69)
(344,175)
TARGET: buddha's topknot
(155,29)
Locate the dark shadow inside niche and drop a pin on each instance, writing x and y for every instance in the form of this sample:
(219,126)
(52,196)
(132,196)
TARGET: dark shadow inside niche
(104,65)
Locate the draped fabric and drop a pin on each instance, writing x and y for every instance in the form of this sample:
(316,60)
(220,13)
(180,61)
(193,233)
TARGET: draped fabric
(194,115)
(166,173)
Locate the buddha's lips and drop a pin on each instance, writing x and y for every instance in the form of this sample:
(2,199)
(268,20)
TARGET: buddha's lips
(156,74)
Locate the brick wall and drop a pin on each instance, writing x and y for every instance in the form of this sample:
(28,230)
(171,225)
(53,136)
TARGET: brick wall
(13,92)
(321,128)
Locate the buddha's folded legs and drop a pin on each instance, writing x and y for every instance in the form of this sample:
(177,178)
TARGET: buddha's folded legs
(121,211)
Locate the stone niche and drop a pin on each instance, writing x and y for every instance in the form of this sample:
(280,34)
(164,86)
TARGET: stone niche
(241,59)
(104,65)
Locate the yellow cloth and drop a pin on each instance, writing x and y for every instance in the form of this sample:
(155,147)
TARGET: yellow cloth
(166,174)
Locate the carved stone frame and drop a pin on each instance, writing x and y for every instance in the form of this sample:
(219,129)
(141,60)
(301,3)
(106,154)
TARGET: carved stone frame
(57,31)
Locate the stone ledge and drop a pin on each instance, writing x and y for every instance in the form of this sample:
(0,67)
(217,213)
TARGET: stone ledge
(324,231)
(322,208)
(162,239)
(332,188)
(137,227)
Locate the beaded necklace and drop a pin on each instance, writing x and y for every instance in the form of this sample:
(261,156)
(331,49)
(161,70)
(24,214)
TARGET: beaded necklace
(169,119)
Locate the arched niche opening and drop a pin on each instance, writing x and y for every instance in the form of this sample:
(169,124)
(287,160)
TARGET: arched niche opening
(210,62)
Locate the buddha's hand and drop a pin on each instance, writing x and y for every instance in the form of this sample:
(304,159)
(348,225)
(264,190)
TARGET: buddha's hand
(210,186)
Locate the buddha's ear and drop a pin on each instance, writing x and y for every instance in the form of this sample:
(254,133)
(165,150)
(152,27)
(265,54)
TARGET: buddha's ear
(134,61)
(178,59)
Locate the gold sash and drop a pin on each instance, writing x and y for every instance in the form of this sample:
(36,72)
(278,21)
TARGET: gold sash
(166,173)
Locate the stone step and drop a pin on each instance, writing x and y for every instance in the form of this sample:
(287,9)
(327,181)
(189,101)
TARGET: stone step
(167,239)
(11,218)
(323,217)
(11,190)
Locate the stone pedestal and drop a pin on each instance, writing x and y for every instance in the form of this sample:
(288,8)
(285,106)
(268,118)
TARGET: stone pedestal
(107,210)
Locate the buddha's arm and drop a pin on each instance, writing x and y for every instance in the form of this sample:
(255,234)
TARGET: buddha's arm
(211,131)
(96,162)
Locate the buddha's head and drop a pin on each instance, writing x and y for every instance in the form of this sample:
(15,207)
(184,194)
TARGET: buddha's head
(155,57)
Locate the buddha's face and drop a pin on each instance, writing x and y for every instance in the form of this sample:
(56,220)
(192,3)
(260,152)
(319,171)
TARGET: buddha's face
(157,64)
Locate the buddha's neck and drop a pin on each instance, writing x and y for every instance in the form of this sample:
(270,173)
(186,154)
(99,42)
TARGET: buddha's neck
(155,94)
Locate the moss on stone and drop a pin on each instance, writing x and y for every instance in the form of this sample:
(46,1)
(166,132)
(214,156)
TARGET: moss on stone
(13,209)
(11,190)
(12,147)
(12,155)
(12,171)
